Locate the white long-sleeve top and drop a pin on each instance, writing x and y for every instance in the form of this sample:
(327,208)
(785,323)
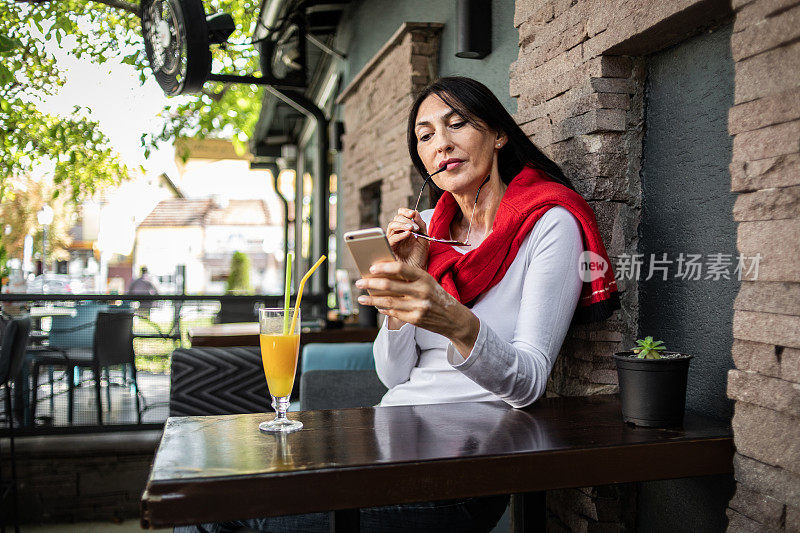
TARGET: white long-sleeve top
(523,322)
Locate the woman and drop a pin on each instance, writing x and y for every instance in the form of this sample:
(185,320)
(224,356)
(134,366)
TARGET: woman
(483,322)
(478,322)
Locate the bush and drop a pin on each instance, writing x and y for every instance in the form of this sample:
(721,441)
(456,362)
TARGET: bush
(239,277)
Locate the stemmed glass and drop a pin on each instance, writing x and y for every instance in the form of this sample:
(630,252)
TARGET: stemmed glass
(279,350)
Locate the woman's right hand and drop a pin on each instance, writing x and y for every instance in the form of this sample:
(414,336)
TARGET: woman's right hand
(406,247)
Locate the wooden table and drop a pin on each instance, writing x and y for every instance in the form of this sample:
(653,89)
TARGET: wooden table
(246,334)
(218,468)
(40,312)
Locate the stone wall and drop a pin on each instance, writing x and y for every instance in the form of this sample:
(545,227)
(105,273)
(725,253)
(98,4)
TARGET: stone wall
(579,80)
(375,106)
(765,171)
(78,478)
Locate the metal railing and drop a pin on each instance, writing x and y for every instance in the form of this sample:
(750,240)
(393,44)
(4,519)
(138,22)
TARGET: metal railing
(64,323)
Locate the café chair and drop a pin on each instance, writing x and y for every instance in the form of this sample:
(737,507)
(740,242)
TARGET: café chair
(217,381)
(112,345)
(69,339)
(339,376)
(12,355)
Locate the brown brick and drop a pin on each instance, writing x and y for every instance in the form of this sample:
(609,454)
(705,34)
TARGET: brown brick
(768,73)
(766,34)
(793,519)
(757,506)
(768,436)
(755,11)
(600,120)
(772,141)
(736,5)
(777,483)
(585,331)
(780,171)
(615,66)
(779,251)
(537,35)
(756,114)
(790,364)
(768,392)
(756,357)
(532,13)
(535,84)
(570,501)
(739,523)
(614,85)
(783,330)
(768,204)
(769,297)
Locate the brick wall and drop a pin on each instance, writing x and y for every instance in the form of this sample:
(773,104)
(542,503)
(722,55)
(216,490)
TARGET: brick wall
(765,171)
(77,478)
(579,80)
(375,107)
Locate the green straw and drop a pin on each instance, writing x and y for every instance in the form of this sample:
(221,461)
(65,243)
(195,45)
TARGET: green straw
(287,293)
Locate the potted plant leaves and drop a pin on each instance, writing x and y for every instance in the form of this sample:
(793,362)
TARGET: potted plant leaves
(652,384)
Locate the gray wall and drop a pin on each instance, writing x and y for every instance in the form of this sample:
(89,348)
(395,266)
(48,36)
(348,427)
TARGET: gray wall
(367,25)
(687,207)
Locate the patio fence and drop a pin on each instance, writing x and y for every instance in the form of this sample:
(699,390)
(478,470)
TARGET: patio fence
(65,325)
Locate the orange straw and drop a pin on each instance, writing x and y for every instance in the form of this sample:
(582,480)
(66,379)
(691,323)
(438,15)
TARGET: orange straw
(300,291)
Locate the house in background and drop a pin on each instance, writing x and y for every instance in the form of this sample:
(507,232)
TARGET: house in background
(202,234)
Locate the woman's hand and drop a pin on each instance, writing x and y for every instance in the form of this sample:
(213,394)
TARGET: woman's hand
(413,296)
(406,247)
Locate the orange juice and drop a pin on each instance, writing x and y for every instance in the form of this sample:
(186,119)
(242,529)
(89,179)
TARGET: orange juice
(279,355)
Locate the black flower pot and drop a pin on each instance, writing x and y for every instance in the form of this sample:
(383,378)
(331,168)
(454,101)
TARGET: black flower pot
(653,391)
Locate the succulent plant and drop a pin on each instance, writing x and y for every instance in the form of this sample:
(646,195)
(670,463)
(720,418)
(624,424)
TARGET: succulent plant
(648,348)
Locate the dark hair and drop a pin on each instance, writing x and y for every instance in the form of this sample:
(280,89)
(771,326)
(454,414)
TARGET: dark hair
(477,104)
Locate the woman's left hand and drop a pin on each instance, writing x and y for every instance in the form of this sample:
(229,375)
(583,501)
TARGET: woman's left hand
(415,297)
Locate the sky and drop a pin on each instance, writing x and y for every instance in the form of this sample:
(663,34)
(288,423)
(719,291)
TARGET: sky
(122,106)
(125,109)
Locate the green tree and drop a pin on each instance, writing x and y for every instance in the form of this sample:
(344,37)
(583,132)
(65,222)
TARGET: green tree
(239,277)
(104,30)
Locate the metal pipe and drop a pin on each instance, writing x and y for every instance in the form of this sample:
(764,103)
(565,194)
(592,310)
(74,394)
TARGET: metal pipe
(247,80)
(275,172)
(320,224)
(324,47)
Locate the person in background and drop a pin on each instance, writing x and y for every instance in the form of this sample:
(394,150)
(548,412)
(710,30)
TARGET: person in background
(144,284)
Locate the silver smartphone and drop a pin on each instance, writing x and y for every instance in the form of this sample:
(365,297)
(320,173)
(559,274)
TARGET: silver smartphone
(368,246)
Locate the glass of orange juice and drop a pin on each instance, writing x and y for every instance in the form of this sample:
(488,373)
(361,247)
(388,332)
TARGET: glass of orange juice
(279,349)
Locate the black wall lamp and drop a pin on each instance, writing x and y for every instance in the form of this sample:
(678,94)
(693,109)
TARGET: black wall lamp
(474,29)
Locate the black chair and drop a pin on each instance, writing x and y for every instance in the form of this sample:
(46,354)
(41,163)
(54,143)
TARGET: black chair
(12,354)
(112,345)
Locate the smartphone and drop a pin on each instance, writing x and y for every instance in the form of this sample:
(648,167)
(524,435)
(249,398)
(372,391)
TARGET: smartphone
(368,246)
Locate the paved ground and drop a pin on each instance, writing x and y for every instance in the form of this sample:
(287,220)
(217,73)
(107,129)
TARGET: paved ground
(154,398)
(87,527)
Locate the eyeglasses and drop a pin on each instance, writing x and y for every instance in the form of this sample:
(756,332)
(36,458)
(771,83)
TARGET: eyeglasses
(471,218)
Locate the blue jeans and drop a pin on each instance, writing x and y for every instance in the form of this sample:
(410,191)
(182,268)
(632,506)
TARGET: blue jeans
(462,515)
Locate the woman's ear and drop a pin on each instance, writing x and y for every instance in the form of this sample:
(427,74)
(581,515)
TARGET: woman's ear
(501,140)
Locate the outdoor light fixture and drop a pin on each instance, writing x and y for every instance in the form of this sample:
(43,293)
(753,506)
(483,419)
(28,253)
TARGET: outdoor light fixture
(45,218)
(474,29)
(45,215)
(177,36)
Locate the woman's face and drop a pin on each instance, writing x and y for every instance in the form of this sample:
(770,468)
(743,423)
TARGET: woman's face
(444,137)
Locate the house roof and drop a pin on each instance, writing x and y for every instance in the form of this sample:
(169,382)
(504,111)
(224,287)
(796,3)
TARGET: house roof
(239,213)
(183,212)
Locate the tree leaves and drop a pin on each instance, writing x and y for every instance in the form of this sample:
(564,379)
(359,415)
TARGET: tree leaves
(7,44)
(6,76)
(82,158)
